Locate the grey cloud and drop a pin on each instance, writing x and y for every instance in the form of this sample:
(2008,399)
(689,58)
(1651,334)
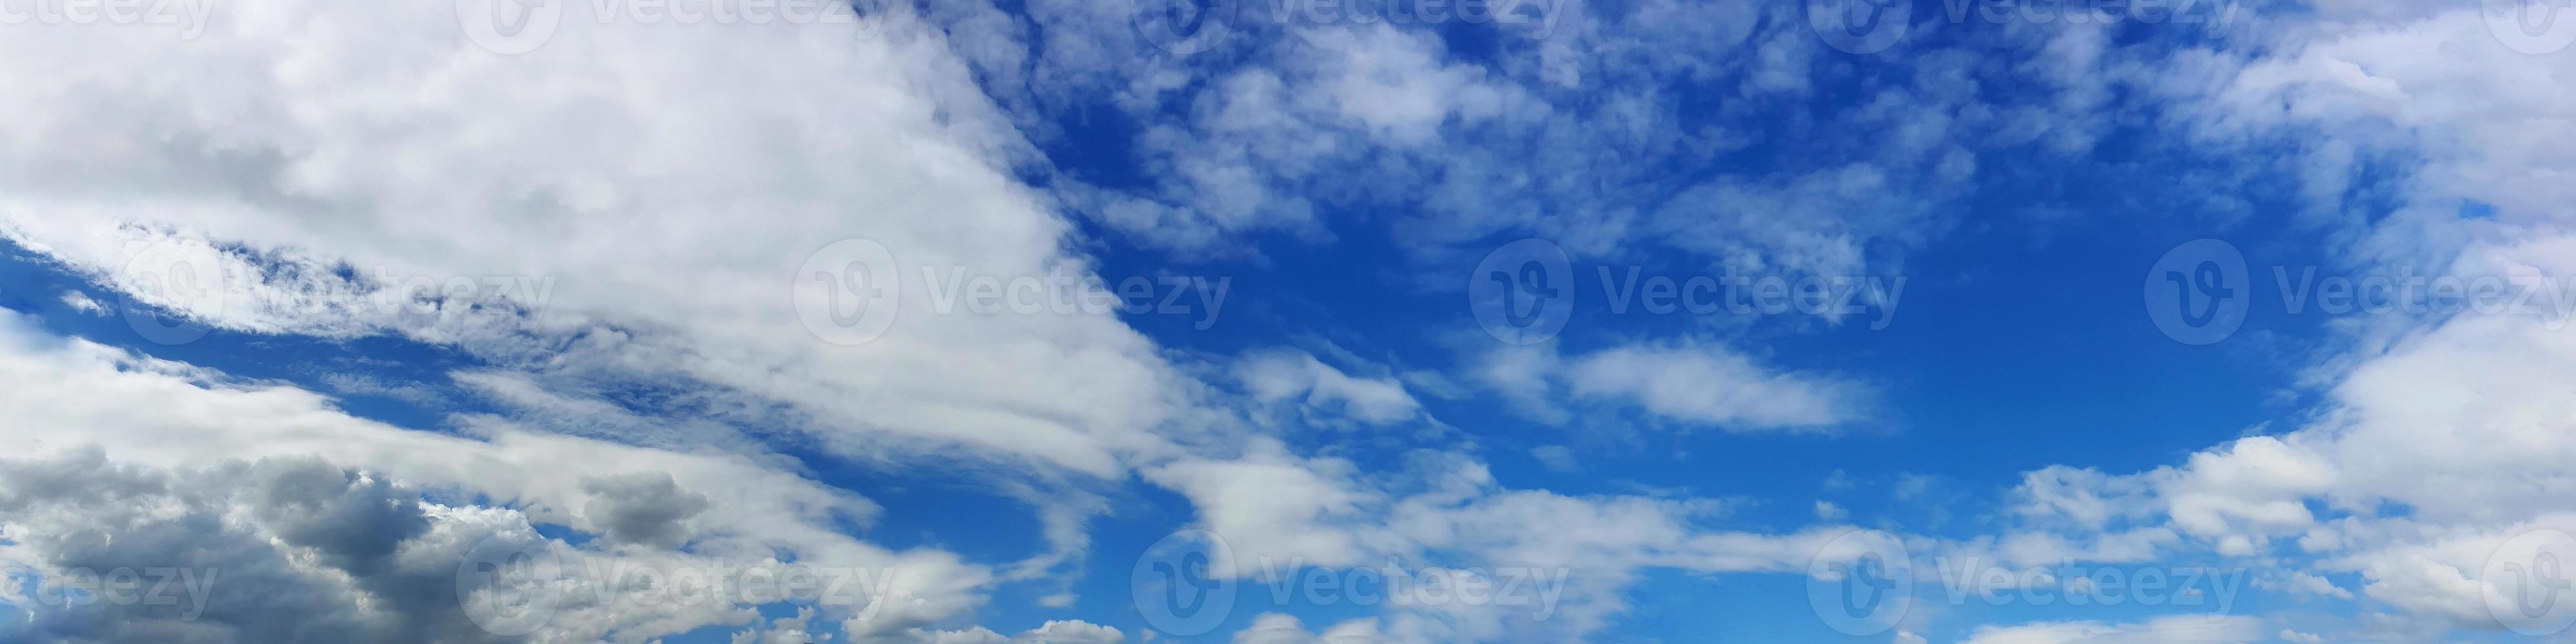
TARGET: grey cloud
(643,508)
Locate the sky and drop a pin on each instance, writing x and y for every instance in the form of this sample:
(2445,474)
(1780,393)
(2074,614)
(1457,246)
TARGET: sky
(1287,321)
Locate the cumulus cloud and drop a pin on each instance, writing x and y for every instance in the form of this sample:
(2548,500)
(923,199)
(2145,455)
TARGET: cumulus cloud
(289,549)
(152,416)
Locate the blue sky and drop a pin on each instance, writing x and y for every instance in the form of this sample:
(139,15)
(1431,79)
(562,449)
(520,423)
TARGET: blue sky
(634,294)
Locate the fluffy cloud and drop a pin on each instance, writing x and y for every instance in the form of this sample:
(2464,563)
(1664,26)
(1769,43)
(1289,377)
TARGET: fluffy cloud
(661,184)
(2442,434)
(154,416)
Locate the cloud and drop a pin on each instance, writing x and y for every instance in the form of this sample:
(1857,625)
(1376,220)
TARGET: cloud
(81,302)
(156,416)
(1052,632)
(1321,391)
(432,160)
(1277,628)
(1710,385)
(289,549)
(643,507)
(2440,434)
(2179,629)
(1685,383)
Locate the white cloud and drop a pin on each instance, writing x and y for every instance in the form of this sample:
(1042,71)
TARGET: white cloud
(1711,385)
(1053,632)
(610,162)
(2178,629)
(1828,512)
(2441,435)
(81,302)
(1277,628)
(1688,383)
(1323,391)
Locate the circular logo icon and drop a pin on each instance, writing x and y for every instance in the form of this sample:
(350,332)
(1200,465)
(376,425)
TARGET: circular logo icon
(509,27)
(2532,26)
(507,584)
(1860,26)
(1861,583)
(1523,292)
(2198,293)
(1178,584)
(1185,27)
(172,285)
(848,292)
(2531,582)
